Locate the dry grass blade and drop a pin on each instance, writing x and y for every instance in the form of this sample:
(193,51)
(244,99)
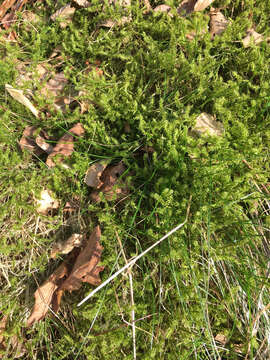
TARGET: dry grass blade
(18,95)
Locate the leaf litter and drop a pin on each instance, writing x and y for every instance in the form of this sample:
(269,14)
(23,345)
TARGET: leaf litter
(21,98)
(80,266)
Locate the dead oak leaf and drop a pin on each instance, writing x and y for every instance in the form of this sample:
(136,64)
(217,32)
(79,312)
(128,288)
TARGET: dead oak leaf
(44,294)
(64,14)
(65,247)
(86,267)
(112,187)
(206,124)
(34,141)
(65,145)
(252,37)
(46,202)
(93,174)
(218,22)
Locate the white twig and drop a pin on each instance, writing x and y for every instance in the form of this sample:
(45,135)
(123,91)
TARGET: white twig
(132,262)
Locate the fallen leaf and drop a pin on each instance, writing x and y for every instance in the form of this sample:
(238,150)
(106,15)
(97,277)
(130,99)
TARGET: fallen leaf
(27,141)
(202,4)
(93,174)
(46,202)
(206,124)
(164,8)
(44,294)
(65,145)
(82,3)
(3,324)
(18,95)
(86,267)
(111,186)
(124,4)
(65,247)
(186,7)
(222,339)
(218,22)
(7,4)
(40,141)
(64,14)
(252,37)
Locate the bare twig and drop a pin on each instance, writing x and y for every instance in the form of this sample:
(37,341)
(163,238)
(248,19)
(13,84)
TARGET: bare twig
(132,262)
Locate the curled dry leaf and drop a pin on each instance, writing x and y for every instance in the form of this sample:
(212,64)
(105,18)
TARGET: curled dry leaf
(65,247)
(86,267)
(112,187)
(222,339)
(202,4)
(252,37)
(35,142)
(82,3)
(93,174)
(18,95)
(46,202)
(45,293)
(80,266)
(186,7)
(206,124)
(65,145)
(64,14)
(164,8)
(218,22)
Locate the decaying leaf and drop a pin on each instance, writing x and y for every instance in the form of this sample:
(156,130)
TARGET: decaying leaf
(186,7)
(124,4)
(18,95)
(164,8)
(252,37)
(44,294)
(65,145)
(82,3)
(65,247)
(80,266)
(221,338)
(112,187)
(202,4)
(5,6)
(86,267)
(40,141)
(64,14)
(27,141)
(93,174)
(218,22)
(46,202)
(206,124)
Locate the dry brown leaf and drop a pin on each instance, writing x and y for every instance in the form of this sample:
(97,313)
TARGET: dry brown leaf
(65,145)
(18,95)
(206,124)
(86,267)
(186,7)
(218,22)
(202,4)
(44,294)
(252,37)
(221,338)
(64,14)
(164,8)
(7,4)
(47,202)
(93,174)
(65,247)
(112,187)
(40,141)
(27,141)
(82,3)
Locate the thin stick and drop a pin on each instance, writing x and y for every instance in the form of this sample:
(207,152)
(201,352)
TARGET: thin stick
(131,298)
(132,262)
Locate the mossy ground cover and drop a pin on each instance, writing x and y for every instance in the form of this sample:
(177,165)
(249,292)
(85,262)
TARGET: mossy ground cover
(211,278)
